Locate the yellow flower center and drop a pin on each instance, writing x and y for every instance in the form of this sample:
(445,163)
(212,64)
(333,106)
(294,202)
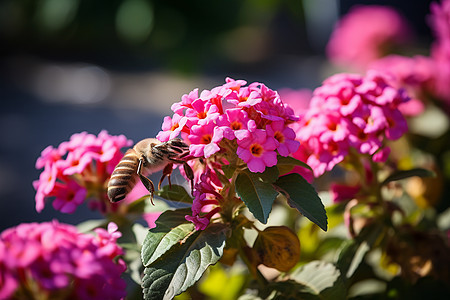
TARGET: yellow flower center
(256,150)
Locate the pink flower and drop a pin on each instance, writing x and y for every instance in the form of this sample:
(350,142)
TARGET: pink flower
(204,139)
(48,156)
(172,127)
(224,124)
(325,157)
(8,284)
(256,149)
(235,119)
(78,168)
(415,74)
(284,136)
(365,33)
(327,132)
(224,112)
(206,201)
(59,260)
(151,218)
(68,196)
(340,193)
(440,50)
(381,155)
(200,222)
(186,102)
(201,112)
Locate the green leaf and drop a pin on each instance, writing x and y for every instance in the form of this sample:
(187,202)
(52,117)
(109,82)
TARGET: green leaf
(291,290)
(403,174)
(302,196)
(353,252)
(171,228)
(286,164)
(290,161)
(351,256)
(257,192)
(270,175)
(175,193)
(138,206)
(185,263)
(322,279)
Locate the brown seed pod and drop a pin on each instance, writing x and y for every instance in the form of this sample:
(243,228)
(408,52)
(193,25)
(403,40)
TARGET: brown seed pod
(278,247)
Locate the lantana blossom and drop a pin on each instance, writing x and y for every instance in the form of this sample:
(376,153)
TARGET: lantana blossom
(58,260)
(257,149)
(440,49)
(326,133)
(77,169)
(249,125)
(224,110)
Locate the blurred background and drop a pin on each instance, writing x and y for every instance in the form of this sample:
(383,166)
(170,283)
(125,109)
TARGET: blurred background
(68,66)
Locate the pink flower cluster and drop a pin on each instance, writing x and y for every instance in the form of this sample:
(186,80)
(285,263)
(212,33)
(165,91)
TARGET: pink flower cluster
(365,34)
(231,122)
(440,51)
(350,111)
(207,200)
(254,116)
(53,260)
(78,169)
(415,74)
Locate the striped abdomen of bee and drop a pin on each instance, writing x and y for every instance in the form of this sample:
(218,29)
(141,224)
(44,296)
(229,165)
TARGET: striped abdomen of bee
(146,157)
(124,176)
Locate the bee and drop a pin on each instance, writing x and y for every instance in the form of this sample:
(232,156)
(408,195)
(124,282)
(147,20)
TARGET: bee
(146,157)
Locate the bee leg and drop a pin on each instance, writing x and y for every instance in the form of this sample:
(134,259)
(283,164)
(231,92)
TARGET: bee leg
(189,174)
(145,181)
(187,170)
(166,172)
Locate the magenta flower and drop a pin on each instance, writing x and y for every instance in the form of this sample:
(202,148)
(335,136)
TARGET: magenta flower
(381,155)
(224,124)
(201,112)
(204,139)
(68,196)
(206,201)
(78,169)
(151,218)
(364,35)
(172,127)
(186,102)
(341,193)
(327,132)
(440,50)
(257,149)
(284,136)
(49,155)
(59,260)
(415,74)
(235,119)
(226,110)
